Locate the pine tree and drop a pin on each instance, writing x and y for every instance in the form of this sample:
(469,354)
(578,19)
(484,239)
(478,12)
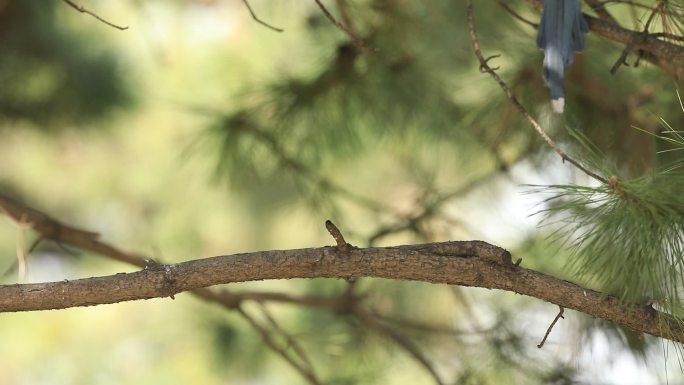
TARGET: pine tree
(379,115)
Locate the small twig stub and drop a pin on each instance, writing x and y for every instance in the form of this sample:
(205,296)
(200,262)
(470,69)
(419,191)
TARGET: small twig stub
(342,245)
(548,331)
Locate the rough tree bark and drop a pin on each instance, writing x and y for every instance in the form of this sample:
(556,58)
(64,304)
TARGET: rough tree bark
(465,263)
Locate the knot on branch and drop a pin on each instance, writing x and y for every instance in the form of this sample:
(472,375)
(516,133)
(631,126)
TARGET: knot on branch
(166,284)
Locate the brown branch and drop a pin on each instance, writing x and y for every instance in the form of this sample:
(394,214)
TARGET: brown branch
(460,263)
(316,302)
(52,229)
(258,20)
(419,327)
(622,60)
(484,67)
(82,9)
(49,228)
(431,263)
(666,36)
(601,11)
(467,263)
(343,9)
(548,331)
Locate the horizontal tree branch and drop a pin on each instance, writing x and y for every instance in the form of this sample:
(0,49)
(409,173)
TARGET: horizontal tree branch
(51,228)
(465,263)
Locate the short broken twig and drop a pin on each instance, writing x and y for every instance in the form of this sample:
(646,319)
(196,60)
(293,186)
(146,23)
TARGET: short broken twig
(342,245)
(548,331)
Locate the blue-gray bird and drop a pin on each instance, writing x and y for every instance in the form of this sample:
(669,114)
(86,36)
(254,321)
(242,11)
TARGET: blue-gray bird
(561,33)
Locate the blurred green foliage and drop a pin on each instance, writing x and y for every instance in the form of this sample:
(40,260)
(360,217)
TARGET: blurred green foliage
(51,75)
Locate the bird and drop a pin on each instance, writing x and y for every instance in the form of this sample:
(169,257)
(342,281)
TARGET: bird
(560,34)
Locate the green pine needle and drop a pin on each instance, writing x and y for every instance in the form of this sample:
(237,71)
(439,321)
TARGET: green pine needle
(628,238)
(626,235)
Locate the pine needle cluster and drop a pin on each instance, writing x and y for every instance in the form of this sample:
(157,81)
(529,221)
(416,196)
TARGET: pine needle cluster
(627,235)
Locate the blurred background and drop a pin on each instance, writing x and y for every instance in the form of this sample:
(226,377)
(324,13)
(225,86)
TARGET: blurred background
(199,132)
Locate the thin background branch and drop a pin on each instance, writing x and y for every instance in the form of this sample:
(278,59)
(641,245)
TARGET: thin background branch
(374,323)
(358,42)
(516,14)
(267,337)
(83,9)
(258,20)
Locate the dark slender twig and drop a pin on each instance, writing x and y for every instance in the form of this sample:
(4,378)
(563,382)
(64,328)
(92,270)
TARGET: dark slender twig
(517,15)
(404,225)
(413,222)
(315,302)
(374,323)
(604,3)
(666,35)
(484,67)
(22,255)
(355,39)
(258,20)
(270,341)
(420,327)
(343,9)
(601,11)
(291,342)
(35,244)
(82,9)
(548,331)
(622,60)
